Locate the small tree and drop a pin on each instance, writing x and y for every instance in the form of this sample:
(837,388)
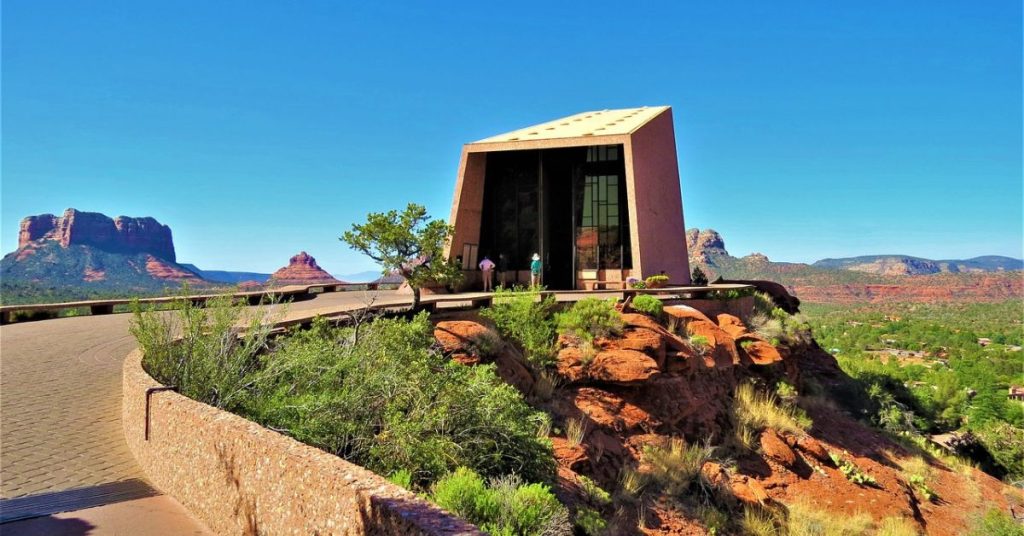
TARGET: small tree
(699,278)
(408,243)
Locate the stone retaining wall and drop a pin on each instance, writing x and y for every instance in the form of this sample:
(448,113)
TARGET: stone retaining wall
(241,478)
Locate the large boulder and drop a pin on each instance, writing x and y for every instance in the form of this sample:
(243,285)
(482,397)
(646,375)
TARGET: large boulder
(644,340)
(732,325)
(609,410)
(759,351)
(722,354)
(458,335)
(685,313)
(622,367)
(775,448)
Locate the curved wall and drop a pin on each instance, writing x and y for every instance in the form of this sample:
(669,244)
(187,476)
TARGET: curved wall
(241,478)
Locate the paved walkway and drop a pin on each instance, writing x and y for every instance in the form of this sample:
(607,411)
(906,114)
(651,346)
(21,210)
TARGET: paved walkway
(60,401)
(61,437)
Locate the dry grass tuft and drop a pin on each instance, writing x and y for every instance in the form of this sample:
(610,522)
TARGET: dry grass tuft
(806,520)
(753,411)
(897,526)
(675,467)
(575,431)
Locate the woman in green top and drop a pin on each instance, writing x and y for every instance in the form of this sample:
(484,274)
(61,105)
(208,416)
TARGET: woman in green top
(535,267)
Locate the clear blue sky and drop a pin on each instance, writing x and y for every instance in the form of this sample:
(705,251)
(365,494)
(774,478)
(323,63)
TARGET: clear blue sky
(258,129)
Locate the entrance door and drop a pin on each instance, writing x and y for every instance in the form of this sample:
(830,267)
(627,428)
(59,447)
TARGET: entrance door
(557,176)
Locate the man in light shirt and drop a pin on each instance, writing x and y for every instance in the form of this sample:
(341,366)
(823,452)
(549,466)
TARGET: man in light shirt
(487,267)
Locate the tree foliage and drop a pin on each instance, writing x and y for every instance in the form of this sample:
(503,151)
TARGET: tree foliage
(409,243)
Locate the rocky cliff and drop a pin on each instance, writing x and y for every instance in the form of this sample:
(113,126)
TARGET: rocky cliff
(302,269)
(117,235)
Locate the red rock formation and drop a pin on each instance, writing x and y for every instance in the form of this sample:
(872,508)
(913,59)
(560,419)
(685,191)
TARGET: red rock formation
(691,398)
(120,235)
(164,270)
(302,269)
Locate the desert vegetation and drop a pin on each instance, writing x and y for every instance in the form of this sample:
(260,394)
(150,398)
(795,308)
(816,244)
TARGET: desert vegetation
(924,370)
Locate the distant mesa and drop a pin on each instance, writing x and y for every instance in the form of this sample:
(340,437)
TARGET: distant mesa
(118,235)
(85,254)
(302,269)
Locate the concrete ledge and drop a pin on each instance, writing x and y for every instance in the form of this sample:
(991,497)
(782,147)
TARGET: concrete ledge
(739,307)
(241,478)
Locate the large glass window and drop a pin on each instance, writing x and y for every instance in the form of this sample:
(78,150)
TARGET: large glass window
(510,212)
(602,229)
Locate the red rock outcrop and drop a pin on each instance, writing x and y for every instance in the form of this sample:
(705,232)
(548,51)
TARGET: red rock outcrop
(302,269)
(687,393)
(118,235)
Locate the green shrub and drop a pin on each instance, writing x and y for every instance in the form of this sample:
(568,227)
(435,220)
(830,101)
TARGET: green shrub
(648,305)
(700,341)
(485,344)
(402,477)
(921,486)
(784,389)
(656,281)
(595,494)
(590,522)
(698,278)
(997,523)
(506,506)
(852,472)
(522,318)
(590,318)
(216,359)
(1005,442)
(391,402)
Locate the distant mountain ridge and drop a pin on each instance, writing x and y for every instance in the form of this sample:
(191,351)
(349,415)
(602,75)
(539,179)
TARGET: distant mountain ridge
(827,284)
(225,276)
(907,265)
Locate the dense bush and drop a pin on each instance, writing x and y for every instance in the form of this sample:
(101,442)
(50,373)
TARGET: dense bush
(387,401)
(505,506)
(648,305)
(528,321)
(590,318)
(216,359)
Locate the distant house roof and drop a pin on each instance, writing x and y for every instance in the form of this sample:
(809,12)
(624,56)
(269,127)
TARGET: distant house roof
(596,123)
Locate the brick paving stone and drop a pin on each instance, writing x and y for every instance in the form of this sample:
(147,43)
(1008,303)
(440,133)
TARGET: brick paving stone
(60,398)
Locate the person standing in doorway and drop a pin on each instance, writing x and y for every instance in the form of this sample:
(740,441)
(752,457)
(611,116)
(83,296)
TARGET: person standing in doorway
(487,267)
(502,269)
(535,269)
